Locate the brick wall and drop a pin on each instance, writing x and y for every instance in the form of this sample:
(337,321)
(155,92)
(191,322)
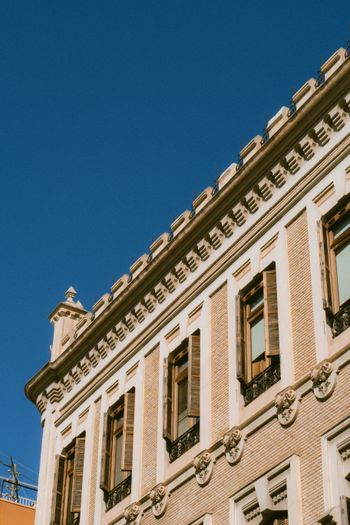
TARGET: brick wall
(265,449)
(219,363)
(301,296)
(149,455)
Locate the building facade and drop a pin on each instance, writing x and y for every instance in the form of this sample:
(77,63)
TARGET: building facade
(210,386)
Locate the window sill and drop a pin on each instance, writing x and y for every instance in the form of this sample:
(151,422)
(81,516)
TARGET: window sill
(183,443)
(341,320)
(261,383)
(116,495)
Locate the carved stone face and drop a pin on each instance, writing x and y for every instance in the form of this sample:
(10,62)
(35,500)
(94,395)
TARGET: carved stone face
(202,461)
(158,493)
(232,438)
(285,399)
(131,513)
(321,373)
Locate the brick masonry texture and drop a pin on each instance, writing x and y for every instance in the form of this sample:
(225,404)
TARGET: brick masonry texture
(94,462)
(265,449)
(149,456)
(219,363)
(301,296)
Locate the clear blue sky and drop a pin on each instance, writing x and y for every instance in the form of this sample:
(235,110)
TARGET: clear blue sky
(114,116)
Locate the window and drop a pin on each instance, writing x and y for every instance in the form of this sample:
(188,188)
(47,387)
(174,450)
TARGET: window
(335,263)
(257,335)
(68,484)
(117,450)
(182,397)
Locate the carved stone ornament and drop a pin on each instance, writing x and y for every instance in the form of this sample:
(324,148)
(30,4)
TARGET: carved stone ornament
(323,377)
(159,496)
(286,403)
(203,466)
(132,514)
(233,444)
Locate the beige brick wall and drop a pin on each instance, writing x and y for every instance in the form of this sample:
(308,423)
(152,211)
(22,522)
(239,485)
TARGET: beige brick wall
(219,363)
(301,296)
(265,449)
(149,454)
(94,462)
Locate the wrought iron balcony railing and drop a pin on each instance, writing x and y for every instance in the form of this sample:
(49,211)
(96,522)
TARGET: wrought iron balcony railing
(183,443)
(341,320)
(261,382)
(119,492)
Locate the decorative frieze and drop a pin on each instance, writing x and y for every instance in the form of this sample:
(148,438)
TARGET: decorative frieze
(323,377)
(203,467)
(159,497)
(286,404)
(233,443)
(55,392)
(278,493)
(41,402)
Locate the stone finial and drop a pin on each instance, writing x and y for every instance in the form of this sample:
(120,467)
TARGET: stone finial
(65,318)
(70,294)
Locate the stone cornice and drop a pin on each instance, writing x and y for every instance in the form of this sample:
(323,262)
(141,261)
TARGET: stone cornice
(261,175)
(234,251)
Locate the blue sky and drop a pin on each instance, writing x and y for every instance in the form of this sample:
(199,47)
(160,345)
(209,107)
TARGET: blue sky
(114,115)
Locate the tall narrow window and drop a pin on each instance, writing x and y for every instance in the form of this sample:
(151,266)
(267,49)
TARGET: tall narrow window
(117,450)
(258,335)
(182,397)
(68,484)
(334,239)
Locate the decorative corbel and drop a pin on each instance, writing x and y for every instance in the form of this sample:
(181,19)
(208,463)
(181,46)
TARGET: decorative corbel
(323,377)
(287,405)
(203,466)
(133,514)
(233,444)
(159,497)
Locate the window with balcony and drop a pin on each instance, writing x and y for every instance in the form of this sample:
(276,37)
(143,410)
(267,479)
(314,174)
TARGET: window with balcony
(182,397)
(117,450)
(68,484)
(334,234)
(257,333)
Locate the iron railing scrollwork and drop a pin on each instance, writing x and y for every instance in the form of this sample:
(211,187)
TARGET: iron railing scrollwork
(183,443)
(121,491)
(261,382)
(341,320)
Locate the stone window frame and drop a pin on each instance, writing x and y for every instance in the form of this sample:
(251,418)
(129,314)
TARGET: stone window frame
(69,464)
(338,315)
(114,493)
(335,446)
(275,492)
(253,385)
(179,444)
